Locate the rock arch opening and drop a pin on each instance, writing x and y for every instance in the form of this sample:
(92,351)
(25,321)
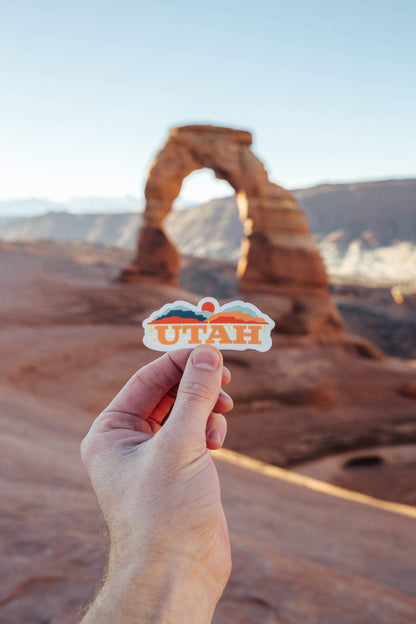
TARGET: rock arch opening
(200,187)
(209,228)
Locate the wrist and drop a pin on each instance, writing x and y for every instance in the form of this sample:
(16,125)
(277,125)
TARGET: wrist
(154,593)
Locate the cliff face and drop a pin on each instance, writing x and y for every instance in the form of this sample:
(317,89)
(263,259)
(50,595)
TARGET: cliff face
(378,213)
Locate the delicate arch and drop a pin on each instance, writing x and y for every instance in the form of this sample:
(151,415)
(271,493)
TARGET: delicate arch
(278,252)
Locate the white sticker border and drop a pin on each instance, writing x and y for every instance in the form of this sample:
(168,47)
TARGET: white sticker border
(265,345)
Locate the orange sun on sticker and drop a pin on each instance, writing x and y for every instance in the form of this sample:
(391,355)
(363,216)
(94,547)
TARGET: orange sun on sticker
(208,306)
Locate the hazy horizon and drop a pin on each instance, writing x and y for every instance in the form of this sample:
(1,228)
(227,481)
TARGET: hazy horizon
(33,206)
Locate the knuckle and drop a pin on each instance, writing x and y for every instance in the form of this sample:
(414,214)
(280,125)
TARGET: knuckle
(147,380)
(106,420)
(196,390)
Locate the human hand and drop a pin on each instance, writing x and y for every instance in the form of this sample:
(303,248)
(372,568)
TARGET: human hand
(159,493)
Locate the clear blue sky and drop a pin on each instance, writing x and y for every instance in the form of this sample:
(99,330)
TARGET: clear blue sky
(88,89)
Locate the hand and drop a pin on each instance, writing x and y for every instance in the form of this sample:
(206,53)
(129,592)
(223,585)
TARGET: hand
(159,493)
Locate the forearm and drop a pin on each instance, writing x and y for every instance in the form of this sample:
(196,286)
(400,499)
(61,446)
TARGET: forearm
(151,595)
(159,493)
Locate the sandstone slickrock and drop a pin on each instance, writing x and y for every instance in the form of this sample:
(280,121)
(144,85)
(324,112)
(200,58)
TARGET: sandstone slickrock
(69,339)
(280,267)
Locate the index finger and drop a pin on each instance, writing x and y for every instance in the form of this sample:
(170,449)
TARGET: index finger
(147,387)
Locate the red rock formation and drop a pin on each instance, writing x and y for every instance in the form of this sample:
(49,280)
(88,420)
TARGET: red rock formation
(278,254)
(69,341)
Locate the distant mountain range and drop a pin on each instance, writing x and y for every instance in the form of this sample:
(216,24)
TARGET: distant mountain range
(365,230)
(93,204)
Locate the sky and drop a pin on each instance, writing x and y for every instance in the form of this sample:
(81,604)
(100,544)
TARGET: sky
(89,90)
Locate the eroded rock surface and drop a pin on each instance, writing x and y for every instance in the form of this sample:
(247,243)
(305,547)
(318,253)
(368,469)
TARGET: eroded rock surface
(69,340)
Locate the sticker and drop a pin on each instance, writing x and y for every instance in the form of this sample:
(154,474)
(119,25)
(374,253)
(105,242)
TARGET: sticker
(235,325)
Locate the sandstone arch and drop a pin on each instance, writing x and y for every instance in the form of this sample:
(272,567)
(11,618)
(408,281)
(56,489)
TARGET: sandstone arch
(278,252)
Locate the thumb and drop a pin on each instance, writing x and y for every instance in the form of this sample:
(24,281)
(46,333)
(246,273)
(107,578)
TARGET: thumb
(196,397)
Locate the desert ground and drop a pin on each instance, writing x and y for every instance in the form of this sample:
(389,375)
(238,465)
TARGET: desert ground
(305,551)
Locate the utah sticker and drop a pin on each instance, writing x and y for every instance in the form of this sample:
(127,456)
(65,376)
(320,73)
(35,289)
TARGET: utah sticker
(235,325)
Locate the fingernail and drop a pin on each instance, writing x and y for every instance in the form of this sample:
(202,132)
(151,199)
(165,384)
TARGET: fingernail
(205,357)
(214,437)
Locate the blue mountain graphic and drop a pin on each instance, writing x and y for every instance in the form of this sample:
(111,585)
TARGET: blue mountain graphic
(185,314)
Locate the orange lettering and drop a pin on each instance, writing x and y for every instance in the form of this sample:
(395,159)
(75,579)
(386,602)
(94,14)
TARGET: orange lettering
(247,334)
(194,332)
(218,332)
(161,334)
